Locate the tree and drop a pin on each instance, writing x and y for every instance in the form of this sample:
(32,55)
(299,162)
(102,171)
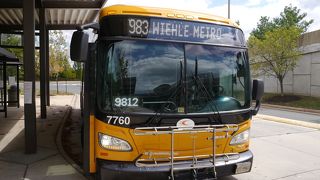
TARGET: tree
(58,55)
(289,17)
(14,40)
(77,67)
(277,54)
(264,25)
(273,45)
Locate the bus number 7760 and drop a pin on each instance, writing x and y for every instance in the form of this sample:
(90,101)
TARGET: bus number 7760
(118,120)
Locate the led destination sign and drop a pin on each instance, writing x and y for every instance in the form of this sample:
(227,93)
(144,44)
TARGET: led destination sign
(177,30)
(171,29)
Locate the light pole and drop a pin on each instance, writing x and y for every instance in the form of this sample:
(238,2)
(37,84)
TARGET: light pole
(228,9)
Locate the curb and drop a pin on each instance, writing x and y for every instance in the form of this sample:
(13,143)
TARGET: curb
(59,137)
(289,121)
(294,109)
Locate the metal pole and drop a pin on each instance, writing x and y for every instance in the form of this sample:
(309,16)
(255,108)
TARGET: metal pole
(5,88)
(29,77)
(47,69)
(18,86)
(228,9)
(43,94)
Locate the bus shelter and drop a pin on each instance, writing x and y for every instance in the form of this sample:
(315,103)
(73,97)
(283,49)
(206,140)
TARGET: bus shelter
(28,18)
(8,95)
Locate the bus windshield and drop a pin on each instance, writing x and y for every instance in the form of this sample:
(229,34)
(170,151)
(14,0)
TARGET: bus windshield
(164,77)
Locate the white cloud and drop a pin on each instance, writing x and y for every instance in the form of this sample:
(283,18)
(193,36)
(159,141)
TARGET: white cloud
(253,2)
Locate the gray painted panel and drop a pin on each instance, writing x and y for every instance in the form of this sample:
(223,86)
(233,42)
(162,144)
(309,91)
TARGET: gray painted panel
(315,91)
(303,65)
(271,84)
(316,57)
(288,88)
(315,77)
(288,79)
(301,84)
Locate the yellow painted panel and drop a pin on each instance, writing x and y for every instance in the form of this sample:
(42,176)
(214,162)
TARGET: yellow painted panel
(115,131)
(183,143)
(92,147)
(242,147)
(165,13)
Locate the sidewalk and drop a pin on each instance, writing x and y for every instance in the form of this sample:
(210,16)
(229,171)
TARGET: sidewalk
(47,163)
(290,116)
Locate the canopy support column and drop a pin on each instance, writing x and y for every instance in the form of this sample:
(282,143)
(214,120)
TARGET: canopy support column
(47,69)
(29,77)
(43,61)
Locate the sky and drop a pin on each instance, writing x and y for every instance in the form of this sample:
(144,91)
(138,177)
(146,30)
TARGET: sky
(247,12)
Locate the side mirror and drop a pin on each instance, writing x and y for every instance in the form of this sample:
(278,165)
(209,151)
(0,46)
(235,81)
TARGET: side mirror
(79,46)
(257,93)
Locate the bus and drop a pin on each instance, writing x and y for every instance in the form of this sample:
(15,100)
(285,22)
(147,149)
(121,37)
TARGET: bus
(167,95)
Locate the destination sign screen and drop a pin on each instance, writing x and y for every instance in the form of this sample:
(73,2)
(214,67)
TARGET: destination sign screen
(171,29)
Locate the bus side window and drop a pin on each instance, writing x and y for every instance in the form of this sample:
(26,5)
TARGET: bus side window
(240,65)
(107,78)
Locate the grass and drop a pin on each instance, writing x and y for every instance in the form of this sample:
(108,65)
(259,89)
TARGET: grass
(292,100)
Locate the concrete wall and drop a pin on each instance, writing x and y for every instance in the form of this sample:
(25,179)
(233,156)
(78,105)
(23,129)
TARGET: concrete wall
(305,78)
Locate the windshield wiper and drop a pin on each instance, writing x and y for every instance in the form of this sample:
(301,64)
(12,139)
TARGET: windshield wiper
(208,96)
(165,105)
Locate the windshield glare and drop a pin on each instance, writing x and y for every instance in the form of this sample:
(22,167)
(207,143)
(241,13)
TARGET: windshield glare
(141,76)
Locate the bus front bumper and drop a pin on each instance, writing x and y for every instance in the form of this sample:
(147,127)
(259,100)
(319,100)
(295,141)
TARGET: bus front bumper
(124,170)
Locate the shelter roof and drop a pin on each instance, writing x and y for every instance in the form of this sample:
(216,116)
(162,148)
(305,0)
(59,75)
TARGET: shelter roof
(60,14)
(7,56)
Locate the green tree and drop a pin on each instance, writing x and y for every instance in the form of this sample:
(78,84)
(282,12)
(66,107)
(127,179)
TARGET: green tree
(277,54)
(77,67)
(264,25)
(273,44)
(57,55)
(291,16)
(14,40)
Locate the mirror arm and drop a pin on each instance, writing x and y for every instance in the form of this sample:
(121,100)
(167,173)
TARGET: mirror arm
(93,25)
(255,110)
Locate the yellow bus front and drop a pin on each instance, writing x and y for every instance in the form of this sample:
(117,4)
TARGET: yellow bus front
(173,96)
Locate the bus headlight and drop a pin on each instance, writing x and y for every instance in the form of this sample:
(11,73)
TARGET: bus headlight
(241,138)
(113,143)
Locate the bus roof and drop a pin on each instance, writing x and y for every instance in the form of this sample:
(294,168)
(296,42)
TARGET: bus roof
(165,13)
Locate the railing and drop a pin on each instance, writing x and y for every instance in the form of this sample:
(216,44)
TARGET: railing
(177,163)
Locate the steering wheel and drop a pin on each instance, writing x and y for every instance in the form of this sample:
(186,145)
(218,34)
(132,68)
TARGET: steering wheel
(221,89)
(170,107)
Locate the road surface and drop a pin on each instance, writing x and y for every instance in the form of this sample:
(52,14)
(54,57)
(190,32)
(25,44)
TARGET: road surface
(283,152)
(306,117)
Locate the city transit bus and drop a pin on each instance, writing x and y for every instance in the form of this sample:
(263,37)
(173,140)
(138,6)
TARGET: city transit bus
(167,95)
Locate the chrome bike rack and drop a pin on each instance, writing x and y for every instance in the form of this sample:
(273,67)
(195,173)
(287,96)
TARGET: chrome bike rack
(183,162)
